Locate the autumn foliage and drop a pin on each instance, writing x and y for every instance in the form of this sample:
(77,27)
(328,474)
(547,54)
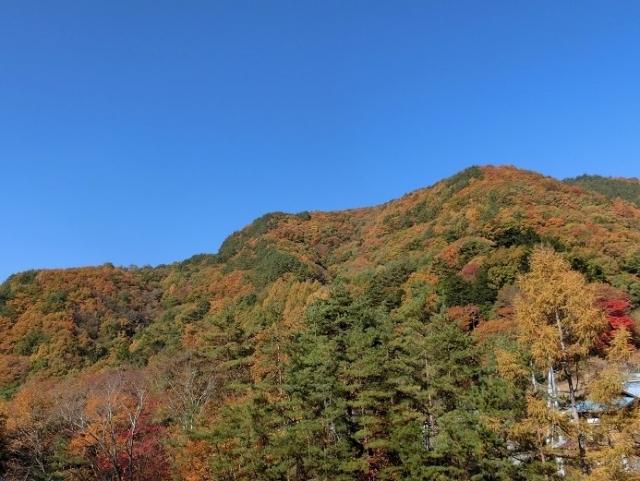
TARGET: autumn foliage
(324,345)
(617,308)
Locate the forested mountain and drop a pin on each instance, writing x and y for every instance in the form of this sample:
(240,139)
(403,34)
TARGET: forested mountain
(390,342)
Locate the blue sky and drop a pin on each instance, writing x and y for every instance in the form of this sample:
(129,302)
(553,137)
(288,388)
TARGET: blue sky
(144,132)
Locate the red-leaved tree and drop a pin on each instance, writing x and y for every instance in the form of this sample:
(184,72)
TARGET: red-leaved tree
(617,307)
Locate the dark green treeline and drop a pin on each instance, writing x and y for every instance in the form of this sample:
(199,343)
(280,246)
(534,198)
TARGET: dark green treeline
(367,392)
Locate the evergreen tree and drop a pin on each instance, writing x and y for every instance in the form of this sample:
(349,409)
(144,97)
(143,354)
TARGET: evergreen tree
(225,346)
(323,425)
(459,444)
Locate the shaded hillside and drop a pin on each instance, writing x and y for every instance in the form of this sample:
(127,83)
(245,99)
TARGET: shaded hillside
(610,187)
(54,321)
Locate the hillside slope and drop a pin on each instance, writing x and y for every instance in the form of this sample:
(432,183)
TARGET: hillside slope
(372,343)
(612,188)
(470,234)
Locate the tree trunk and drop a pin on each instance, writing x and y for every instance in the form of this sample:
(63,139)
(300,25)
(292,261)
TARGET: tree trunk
(572,396)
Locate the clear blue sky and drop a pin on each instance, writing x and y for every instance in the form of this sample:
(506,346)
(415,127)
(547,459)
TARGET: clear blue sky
(143,132)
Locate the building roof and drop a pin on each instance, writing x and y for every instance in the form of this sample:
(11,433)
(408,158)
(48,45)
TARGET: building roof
(632,388)
(588,406)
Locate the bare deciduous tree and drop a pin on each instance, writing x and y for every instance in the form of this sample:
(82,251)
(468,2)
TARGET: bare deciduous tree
(103,414)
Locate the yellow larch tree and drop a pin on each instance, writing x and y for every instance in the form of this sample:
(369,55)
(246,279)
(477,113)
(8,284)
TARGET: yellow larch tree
(559,324)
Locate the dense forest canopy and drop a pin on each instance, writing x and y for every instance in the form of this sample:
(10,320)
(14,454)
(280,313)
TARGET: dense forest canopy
(454,333)
(612,188)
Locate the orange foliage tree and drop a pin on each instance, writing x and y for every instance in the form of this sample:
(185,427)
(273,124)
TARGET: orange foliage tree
(108,417)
